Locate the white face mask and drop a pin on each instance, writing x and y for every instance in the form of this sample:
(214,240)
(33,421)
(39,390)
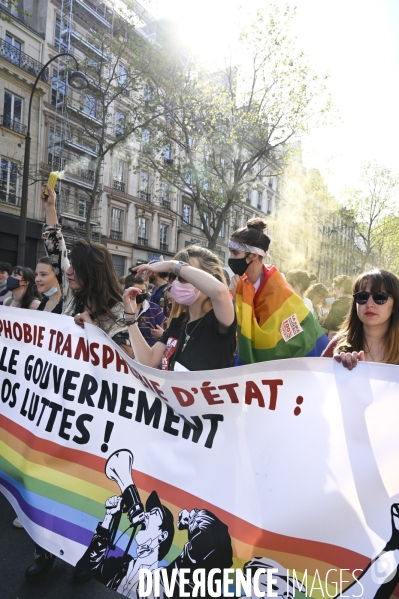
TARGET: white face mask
(330,300)
(3,284)
(51,291)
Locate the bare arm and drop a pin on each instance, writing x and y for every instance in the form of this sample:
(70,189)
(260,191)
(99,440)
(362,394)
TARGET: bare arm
(201,280)
(149,356)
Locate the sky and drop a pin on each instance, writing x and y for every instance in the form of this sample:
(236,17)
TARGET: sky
(356,42)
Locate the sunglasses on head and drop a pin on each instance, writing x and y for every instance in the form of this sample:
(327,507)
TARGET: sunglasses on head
(380,297)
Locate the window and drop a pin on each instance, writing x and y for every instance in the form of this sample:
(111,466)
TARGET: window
(119,175)
(116,223)
(271,182)
(120,123)
(248,198)
(119,263)
(9,181)
(165,200)
(221,232)
(237,220)
(58,88)
(187,214)
(167,154)
(142,237)
(12,50)
(83,207)
(148,94)
(58,43)
(90,105)
(206,219)
(187,176)
(12,112)
(146,136)
(144,186)
(54,149)
(122,75)
(260,199)
(269,204)
(163,237)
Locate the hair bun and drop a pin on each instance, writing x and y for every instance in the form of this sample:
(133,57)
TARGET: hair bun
(257,223)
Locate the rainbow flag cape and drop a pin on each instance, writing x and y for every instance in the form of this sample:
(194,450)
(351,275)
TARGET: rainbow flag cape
(274,323)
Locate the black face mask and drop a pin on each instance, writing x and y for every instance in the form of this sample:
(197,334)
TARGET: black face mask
(238,265)
(141,297)
(13,283)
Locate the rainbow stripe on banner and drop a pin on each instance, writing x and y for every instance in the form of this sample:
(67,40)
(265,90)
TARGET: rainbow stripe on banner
(60,492)
(274,323)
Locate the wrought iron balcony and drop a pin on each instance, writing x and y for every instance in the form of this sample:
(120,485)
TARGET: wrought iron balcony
(164,247)
(14,125)
(87,173)
(118,185)
(168,161)
(9,198)
(145,196)
(142,241)
(22,60)
(165,203)
(115,235)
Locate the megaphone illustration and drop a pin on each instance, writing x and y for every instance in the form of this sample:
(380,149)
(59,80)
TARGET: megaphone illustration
(119,469)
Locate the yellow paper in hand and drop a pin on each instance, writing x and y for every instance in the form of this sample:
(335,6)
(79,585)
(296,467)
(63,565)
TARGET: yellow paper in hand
(52,180)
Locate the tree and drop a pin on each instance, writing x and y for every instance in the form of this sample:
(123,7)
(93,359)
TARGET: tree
(372,209)
(226,132)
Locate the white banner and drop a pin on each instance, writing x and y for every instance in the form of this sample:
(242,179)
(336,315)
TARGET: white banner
(291,465)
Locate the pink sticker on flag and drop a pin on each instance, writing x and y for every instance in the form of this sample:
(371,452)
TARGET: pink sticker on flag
(290,327)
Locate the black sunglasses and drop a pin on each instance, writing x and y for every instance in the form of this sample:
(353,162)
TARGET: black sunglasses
(172,277)
(380,297)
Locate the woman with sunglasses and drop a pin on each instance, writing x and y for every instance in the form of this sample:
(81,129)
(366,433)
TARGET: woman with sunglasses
(370,331)
(202,326)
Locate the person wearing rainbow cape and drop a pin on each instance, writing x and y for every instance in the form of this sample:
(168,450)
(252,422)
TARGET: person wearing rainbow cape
(273,322)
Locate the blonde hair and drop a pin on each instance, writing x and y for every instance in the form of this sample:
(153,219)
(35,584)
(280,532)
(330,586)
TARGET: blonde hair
(209,262)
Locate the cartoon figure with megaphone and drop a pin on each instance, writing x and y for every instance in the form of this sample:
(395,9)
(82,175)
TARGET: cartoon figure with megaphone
(208,545)
(152,529)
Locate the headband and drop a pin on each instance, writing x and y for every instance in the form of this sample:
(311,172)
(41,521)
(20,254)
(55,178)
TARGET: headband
(235,245)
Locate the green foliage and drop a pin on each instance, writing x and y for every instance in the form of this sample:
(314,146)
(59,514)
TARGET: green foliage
(231,128)
(374,211)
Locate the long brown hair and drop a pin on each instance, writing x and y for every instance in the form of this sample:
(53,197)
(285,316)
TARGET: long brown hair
(351,332)
(209,262)
(95,273)
(27,275)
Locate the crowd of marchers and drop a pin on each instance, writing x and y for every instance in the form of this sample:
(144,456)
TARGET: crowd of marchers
(184,314)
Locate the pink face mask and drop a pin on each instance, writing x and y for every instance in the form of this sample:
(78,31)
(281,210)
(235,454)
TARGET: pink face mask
(183,293)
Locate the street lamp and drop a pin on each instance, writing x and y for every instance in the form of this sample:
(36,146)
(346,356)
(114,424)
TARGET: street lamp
(77,81)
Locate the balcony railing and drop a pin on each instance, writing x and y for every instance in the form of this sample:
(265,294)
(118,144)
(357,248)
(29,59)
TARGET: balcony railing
(142,241)
(115,235)
(80,148)
(14,125)
(119,185)
(9,198)
(165,203)
(145,196)
(96,10)
(168,161)
(87,173)
(22,60)
(56,162)
(164,247)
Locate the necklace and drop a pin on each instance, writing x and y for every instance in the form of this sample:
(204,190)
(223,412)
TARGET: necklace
(188,337)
